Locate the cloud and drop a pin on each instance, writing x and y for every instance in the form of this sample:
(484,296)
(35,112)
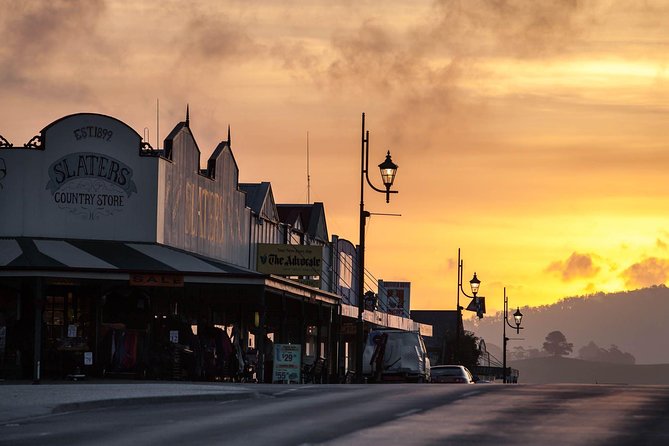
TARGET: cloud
(648,272)
(514,28)
(575,267)
(40,35)
(216,39)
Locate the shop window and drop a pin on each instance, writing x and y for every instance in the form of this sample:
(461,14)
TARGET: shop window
(66,320)
(345,270)
(54,316)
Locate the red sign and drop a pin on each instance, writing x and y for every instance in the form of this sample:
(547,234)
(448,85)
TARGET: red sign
(163,280)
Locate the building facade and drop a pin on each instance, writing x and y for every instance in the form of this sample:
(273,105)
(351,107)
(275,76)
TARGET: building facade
(118,259)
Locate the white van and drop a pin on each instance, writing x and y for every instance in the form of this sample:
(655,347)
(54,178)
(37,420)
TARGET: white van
(395,355)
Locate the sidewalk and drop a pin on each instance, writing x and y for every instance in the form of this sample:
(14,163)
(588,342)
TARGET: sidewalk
(19,401)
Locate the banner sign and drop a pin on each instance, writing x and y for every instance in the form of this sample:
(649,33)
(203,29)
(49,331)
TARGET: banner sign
(477,305)
(290,260)
(287,363)
(394,297)
(162,280)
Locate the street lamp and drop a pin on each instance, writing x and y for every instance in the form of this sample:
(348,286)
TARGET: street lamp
(474,283)
(388,171)
(517,318)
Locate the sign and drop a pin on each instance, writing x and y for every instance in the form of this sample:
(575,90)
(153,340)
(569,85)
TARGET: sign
(83,177)
(88,358)
(90,184)
(71,331)
(290,260)
(163,280)
(394,298)
(287,363)
(174,336)
(477,305)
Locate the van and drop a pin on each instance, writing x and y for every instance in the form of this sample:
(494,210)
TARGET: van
(395,355)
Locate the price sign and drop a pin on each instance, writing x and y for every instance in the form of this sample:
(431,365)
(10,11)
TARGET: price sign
(287,363)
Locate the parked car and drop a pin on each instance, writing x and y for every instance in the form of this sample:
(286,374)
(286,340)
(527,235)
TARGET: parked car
(451,374)
(395,355)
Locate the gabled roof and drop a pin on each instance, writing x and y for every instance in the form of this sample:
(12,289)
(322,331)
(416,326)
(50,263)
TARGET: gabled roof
(260,199)
(311,215)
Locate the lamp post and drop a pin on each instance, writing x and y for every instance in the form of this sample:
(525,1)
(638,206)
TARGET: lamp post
(517,318)
(474,283)
(388,171)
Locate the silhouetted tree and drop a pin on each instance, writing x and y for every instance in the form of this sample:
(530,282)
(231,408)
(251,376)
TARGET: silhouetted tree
(556,344)
(520,353)
(592,352)
(468,353)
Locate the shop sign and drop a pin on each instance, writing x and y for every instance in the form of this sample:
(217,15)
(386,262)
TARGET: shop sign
(90,184)
(395,297)
(161,280)
(290,260)
(287,363)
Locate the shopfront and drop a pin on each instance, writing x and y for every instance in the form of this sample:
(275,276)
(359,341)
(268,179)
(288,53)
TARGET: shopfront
(120,260)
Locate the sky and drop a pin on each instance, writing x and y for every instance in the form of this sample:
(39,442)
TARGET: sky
(531,135)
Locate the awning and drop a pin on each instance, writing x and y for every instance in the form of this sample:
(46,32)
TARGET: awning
(113,256)
(115,260)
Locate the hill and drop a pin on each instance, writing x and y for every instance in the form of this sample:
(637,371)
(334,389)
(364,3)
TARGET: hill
(635,321)
(566,370)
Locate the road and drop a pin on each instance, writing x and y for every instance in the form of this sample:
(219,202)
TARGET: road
(417,414)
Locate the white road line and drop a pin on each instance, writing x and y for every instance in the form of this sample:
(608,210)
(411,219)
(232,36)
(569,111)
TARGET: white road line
(468,394)
(284,392)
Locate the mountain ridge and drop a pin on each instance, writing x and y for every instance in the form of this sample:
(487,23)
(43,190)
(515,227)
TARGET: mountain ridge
(634,321)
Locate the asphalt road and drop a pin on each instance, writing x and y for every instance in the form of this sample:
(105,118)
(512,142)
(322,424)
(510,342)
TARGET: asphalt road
(417,414)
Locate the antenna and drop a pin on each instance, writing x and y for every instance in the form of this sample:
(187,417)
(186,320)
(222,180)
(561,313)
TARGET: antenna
(308,176)
(157,123)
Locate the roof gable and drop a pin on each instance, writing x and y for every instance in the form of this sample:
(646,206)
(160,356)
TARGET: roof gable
(312,216)
(260,198)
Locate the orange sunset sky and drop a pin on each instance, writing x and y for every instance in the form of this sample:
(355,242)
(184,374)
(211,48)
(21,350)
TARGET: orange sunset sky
(531,134)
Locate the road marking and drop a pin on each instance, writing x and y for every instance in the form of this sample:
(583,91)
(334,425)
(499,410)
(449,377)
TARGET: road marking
(407,413)
(284,392)
(468,394)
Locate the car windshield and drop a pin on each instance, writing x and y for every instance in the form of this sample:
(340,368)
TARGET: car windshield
(450,371)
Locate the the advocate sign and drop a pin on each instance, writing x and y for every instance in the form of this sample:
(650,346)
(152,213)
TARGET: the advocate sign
(290,260)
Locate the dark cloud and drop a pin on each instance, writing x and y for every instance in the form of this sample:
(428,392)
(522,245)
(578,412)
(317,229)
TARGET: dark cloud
(214,38)
(648,272)
(517,28)
(38,35)
(374,58)
(575,267)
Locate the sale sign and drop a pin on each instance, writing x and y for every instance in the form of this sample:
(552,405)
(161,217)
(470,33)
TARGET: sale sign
(287,363)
